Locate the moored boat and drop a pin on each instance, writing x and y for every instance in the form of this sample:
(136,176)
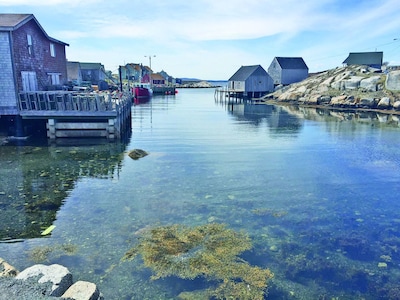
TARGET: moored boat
(142,92)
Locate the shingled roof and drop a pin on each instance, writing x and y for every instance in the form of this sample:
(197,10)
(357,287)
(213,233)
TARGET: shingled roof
(11,22)
(244,72)
(291,63)
(364,58)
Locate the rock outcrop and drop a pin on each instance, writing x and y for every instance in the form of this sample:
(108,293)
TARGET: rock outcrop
(44,282)
(346,87)
(57,275)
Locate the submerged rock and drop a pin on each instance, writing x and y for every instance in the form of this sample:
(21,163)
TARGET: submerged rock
(137,153)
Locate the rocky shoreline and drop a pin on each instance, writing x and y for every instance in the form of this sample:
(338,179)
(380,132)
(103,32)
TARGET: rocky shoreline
(42,282)
(346,88)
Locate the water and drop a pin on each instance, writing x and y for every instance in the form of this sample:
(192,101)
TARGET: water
(316,191)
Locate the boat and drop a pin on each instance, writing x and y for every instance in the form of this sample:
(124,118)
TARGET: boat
(142,92)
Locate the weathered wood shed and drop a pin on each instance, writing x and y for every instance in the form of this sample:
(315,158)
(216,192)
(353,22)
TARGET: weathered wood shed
(287,70)
(252,81)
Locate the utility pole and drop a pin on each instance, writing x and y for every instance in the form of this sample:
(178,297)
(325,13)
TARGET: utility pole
(151,70)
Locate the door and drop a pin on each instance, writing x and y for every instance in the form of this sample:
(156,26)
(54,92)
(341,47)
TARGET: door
(29,81)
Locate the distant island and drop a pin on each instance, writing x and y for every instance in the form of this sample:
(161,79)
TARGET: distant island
(197,83)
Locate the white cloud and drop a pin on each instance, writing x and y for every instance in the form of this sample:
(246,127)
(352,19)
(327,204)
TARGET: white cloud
(213,38)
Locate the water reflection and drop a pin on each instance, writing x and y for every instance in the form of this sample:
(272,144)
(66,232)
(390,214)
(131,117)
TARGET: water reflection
(36,180)
(327,115)
(276,118)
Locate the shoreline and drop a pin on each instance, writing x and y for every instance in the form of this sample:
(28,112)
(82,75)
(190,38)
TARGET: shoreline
(329,107)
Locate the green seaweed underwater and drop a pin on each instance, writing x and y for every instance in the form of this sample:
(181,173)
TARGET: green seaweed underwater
(209,251)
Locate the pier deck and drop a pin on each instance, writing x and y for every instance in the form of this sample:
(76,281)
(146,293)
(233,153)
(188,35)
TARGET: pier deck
(71,114)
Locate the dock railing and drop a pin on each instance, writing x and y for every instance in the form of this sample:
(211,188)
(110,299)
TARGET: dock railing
(72,101)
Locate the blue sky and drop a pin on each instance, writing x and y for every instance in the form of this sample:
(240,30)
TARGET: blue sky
(211,39)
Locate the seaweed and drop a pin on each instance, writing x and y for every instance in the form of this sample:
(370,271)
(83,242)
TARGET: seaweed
(209,251)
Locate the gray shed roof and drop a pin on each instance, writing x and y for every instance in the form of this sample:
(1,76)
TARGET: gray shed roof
(291,62)
(244,72)
(11,22)
(364,58)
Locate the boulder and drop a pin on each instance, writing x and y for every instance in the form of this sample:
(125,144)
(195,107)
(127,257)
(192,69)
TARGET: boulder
(289,96)
(325,100)
(137,153)
(384,103)
(367,102)
(393,81)
(7,270)
(83,290)
(338,100)
(313,99)
(352,83)
(370,84)
(396,105)
(58,276)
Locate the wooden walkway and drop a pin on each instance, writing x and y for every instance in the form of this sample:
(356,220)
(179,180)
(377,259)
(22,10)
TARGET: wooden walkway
(233,96)
(71,114)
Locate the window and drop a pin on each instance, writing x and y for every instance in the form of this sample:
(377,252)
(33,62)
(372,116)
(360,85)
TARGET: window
(52,50)
(54,78)
(30,44)
(29,81)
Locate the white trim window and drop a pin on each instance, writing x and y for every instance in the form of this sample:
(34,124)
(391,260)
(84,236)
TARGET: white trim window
(29,81)
(30,44)
(54,78)
(52,50)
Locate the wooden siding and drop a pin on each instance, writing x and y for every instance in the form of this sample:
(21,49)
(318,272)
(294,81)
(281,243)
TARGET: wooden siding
(249,79)
(293,75)
(275,71)
(40,60)
(8,96)
(287,70)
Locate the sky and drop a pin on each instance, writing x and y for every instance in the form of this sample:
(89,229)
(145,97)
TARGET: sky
(212,39)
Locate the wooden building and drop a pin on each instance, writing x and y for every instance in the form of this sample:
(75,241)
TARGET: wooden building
(30,59)
(251,81)
(371,59)
(287,70)
(33,74)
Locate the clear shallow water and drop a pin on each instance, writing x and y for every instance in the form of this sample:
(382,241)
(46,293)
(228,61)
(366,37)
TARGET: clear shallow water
(316,191)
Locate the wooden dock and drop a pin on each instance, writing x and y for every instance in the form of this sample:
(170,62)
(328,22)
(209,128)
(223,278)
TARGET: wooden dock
(72,114)
(164,90)
(226,94)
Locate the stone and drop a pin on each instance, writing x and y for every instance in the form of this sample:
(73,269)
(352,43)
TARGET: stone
(382,265)
(57,275)
(352,83)
(313,99)
(370,84)
(137,153)
(83,290)
(7,270)
(367,102)
(393,80)
(384,103)
(396,105)
(338,100)
(325,100)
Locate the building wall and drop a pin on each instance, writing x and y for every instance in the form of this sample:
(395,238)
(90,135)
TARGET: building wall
(259,81)
(40,59)
(275,71)
(237,85)
(8,101)
(293,75)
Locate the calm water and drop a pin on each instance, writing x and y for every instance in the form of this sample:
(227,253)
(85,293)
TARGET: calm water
(317,192)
